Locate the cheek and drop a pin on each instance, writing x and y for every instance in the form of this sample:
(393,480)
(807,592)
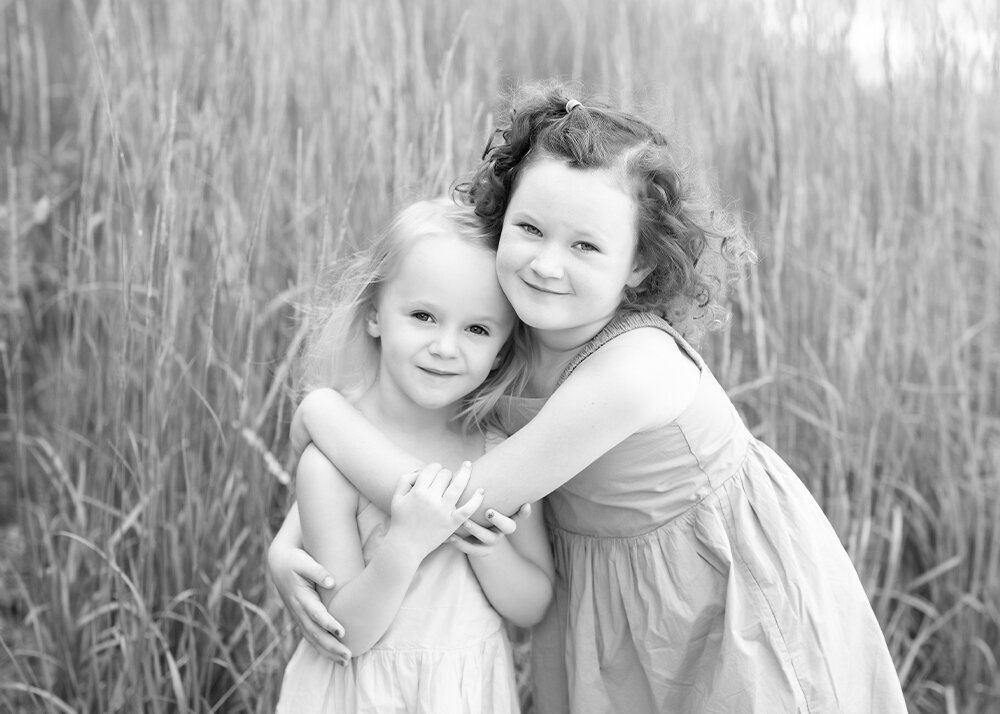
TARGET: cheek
(506,258)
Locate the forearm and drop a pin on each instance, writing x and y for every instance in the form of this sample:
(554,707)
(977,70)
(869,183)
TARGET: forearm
(373,463)
(525,604)
(369,460)
(579,423)
(368,604)
(369,594)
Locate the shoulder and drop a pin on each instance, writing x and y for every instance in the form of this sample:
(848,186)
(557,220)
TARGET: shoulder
(647,372)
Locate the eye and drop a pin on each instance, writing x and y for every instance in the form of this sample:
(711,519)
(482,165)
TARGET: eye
(528,228)
(586,247)
(422,316)
(479,330)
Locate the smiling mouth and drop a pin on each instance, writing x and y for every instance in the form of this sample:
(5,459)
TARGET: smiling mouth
(540,289)
(437,372)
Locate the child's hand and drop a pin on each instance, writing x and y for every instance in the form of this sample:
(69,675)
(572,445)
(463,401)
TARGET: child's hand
(482,541)
(294,571)
(425,508)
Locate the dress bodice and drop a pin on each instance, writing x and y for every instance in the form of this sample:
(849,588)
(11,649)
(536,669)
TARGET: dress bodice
(657,474)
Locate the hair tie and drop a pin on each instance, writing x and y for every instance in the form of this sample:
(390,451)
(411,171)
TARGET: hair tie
(571,105)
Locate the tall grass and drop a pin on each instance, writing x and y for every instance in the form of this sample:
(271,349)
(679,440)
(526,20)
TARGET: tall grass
(176,173)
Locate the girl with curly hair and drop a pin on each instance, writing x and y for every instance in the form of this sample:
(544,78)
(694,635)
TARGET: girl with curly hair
(694,570)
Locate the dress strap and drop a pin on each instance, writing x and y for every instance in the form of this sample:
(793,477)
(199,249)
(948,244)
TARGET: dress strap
(626,322)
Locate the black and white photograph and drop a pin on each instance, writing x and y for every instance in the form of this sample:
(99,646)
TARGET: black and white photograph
(510,357)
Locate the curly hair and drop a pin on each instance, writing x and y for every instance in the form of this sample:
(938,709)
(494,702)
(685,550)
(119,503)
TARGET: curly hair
(338,350)
(693,246)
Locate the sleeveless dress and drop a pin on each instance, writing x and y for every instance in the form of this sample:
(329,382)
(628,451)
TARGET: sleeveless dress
(445,652)
(696,573)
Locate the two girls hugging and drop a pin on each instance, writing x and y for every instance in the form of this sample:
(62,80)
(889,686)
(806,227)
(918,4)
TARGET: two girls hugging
(528,339)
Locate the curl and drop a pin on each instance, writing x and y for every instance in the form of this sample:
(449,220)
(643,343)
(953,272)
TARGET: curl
(693,244)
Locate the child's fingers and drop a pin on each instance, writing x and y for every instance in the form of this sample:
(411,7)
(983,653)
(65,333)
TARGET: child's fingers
(305,566)
(486,536)
(465,511)
(405,483)
(476,550)
(313,608)
(458,483)
(507,524)
(462,530)
(426,475)
(440,482)
(323,639)
(503,524)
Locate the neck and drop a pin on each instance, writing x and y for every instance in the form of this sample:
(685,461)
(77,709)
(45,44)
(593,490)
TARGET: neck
(428,434)
(403,420)
(571,339)
(554,349)
(552,353)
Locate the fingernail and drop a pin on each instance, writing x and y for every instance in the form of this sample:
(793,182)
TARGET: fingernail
(467,464)
(327,582)
(491,514)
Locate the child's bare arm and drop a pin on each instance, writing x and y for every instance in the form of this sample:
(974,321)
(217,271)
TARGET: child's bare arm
(516,572)
(327,419)
(296,575)
(638,381)
(367,596)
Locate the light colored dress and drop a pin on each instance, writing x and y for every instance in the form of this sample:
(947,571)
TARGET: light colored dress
(445,652)
(696,573)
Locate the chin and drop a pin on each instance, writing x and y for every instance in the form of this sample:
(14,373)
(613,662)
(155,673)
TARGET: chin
(539,320)
(532,313)
(440,401)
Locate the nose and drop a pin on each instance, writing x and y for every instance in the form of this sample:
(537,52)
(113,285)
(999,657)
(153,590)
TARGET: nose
(444,344)
(546,262)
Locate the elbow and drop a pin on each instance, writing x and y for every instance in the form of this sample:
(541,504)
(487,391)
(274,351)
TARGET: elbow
(311,406)
(528,618)
(356,646)
(533,612)
(525,620)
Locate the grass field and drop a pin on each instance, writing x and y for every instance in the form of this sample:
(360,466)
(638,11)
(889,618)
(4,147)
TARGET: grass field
(175,174)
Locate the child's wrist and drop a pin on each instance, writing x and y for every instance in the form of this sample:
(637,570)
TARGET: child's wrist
(405,546)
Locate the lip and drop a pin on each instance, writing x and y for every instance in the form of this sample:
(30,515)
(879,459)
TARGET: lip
(436,372)
(540,289)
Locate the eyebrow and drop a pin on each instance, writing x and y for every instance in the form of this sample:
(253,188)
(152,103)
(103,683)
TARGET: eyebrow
(490,320)
(590,234)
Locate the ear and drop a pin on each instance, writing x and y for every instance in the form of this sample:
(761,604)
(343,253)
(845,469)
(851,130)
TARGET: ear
(371,325)
(637,275)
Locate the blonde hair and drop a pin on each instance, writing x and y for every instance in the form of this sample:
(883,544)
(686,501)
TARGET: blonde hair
(339,352)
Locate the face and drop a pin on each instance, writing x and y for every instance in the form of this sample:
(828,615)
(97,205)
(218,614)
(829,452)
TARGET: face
(567,249)
(442,320)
